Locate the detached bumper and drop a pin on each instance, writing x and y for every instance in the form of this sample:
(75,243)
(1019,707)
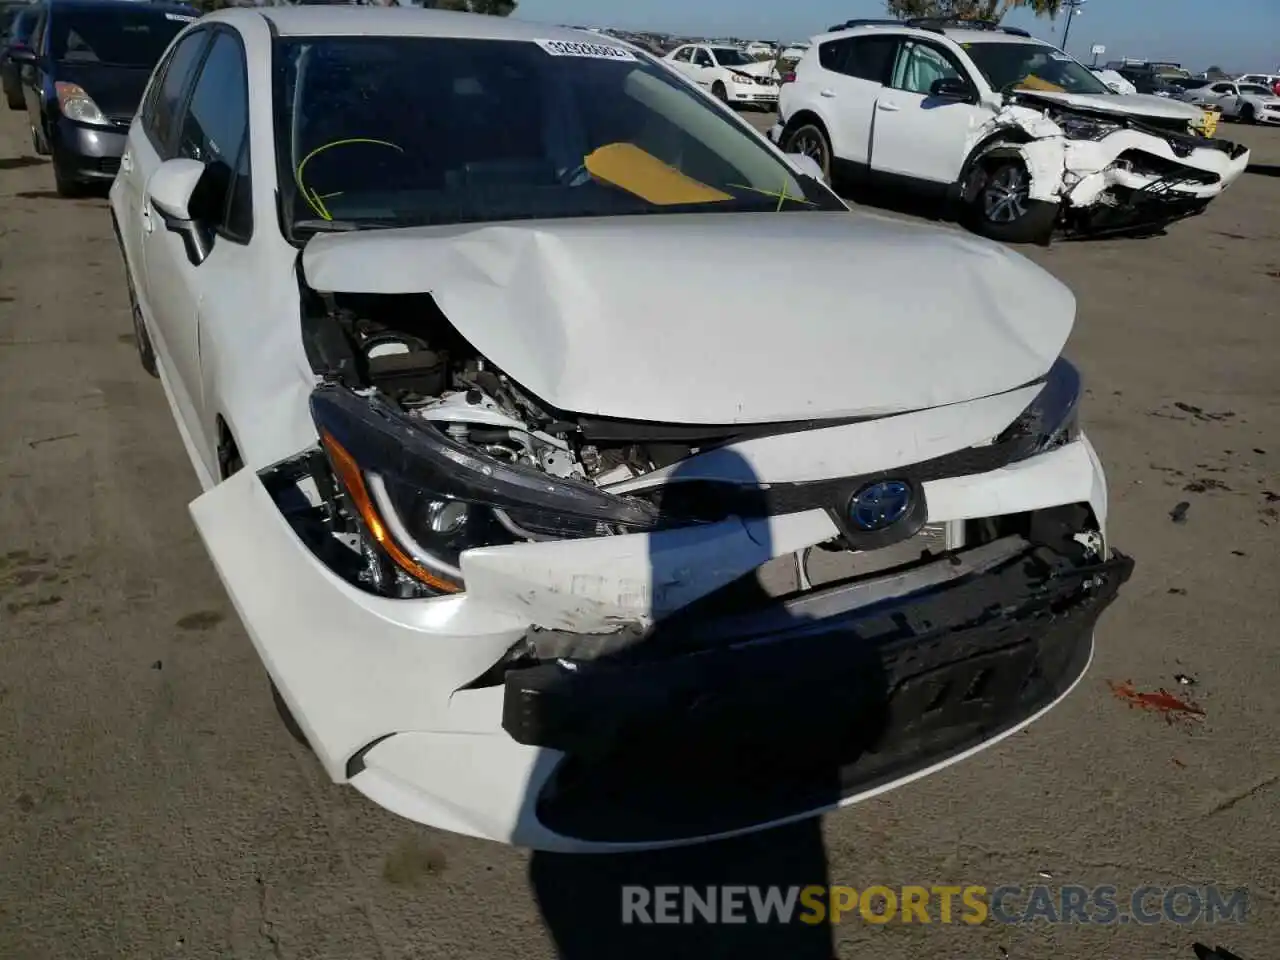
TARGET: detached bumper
(1133,161)
(835,697)
(812,704)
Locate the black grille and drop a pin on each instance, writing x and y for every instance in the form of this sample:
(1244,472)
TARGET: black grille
(105,165)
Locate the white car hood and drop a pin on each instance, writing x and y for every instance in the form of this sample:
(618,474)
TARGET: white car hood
(723,318)
(1125,104)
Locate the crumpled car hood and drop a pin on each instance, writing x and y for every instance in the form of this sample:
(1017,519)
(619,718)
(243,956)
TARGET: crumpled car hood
(1124,104)
(761,68)
(722,318)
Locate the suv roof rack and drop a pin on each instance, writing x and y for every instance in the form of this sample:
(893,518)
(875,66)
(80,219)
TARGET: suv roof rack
(940,23)
(850,24)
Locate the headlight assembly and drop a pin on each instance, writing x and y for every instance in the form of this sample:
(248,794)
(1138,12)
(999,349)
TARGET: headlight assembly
(422,498)
(1076,127)
(1053,418)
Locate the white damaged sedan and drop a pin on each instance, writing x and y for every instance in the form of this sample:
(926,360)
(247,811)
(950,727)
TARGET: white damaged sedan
(585,474)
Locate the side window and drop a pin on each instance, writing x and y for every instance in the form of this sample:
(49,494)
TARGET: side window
(684,54)
(215,131)
(168,88)
(920,65)
(832,55)
(870,58)
(1222,88)
(703,59)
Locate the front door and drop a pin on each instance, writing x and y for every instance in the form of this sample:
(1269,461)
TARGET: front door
(915,133)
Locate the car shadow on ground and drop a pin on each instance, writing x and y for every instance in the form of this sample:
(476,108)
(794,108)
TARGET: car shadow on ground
(1264,169)
(20,163)
(731,757)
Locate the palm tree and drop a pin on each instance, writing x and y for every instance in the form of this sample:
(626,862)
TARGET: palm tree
(971,9)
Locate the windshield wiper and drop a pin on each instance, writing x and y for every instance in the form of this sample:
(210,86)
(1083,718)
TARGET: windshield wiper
(339,226)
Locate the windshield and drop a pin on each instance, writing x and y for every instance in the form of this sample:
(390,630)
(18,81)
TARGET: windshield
(113,36)
(1033,66)
(731,57)
(424,130)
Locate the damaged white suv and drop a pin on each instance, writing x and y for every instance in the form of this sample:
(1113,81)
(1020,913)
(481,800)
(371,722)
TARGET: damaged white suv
(1024,138)
(544,531)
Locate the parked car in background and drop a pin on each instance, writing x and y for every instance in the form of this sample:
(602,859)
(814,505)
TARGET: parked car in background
(517,498)
(728,72)
(83,77)
(1021,135)
(1269,80)
(1246,102)
(16,21)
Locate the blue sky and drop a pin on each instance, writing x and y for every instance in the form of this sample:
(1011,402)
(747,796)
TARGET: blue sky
(1234,34)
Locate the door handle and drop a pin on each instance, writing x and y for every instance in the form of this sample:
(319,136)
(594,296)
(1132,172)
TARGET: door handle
(887,106)
(826,93)
(148,224)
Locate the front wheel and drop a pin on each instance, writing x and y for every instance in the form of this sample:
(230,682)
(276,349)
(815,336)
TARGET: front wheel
(1003,209)
(146,352)
(719,92)
(15,101)
(811,141)
(1247,114)
(65,185)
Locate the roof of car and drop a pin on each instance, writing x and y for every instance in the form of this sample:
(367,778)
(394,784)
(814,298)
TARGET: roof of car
(358,20)
(957,34)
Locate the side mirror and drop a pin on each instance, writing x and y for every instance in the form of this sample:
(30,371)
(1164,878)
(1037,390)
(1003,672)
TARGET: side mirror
(170,190)
(23,55)
(950,88)
(805,164)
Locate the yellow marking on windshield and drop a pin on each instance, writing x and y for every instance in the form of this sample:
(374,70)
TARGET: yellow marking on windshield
(626,166)
(780,195)
(1039,83)
(315,200)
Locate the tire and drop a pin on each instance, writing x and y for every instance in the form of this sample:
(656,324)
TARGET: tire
(146,352)
(1001,209)
(811,140)
(64,185)
(1248,114)
(15,102)
(719,92)
(286,716)
(37,143)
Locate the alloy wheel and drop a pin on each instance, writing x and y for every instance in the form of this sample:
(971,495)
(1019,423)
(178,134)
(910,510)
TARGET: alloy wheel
(1004,198)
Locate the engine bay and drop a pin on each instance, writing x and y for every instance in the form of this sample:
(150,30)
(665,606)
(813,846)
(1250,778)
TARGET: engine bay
(403,348)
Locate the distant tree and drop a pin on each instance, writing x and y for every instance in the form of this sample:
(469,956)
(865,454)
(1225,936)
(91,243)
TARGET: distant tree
(497,8)
(970,9)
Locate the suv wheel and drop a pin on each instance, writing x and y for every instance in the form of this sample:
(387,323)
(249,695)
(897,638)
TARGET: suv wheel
(811,140)
(1003,209)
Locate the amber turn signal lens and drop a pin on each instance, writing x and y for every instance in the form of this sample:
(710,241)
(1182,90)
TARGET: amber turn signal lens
(352,479)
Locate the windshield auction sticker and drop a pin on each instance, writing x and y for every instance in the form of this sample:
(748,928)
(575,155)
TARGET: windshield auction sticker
(573,48)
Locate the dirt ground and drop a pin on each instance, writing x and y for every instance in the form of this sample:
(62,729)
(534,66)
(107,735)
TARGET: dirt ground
(153,806)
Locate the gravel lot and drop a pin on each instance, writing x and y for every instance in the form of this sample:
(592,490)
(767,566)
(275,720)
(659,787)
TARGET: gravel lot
(153,806)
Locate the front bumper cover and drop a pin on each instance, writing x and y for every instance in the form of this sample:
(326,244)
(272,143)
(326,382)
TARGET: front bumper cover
(389,692)
(803,711)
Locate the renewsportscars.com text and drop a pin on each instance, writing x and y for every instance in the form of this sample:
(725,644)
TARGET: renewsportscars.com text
(971,904)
